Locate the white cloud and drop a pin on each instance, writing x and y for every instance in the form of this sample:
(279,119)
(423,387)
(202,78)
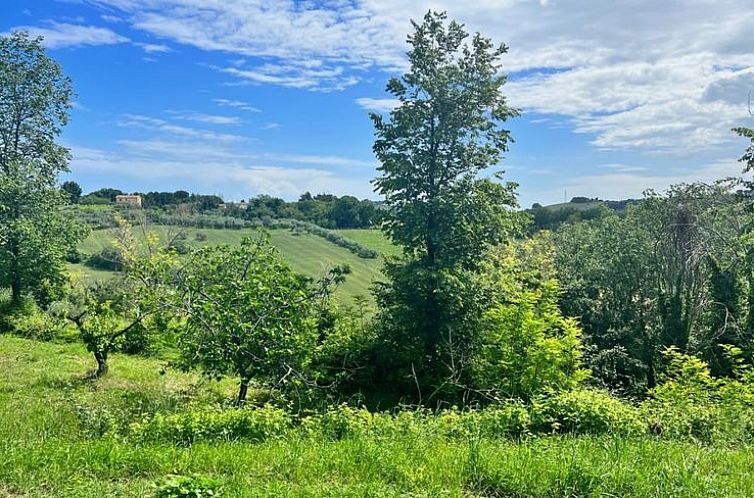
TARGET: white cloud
(631,182)
(295,76)
(110,18)
(62,35)
(321,160)
(152,48)
(636,74)
(206,118)
(377,105)
(208,171)
(238,104)
(156,124)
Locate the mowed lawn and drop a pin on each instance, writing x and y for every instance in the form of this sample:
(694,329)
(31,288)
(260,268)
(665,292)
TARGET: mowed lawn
(307,254)
(372,238)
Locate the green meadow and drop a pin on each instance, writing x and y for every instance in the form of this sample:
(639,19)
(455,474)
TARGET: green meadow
(308,254)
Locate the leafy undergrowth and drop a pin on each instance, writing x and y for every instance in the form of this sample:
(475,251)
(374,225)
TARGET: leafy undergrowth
(140,432)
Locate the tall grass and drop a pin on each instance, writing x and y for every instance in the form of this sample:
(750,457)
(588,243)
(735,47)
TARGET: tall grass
(51,446)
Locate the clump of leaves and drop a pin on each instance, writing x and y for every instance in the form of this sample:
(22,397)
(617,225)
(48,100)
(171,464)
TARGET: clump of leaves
(178,486)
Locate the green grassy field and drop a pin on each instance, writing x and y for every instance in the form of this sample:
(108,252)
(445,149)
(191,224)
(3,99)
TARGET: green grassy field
(49,447)
(307,254)
(373,238)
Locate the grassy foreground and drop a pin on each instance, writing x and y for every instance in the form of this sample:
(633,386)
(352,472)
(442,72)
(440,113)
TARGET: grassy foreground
(48,447)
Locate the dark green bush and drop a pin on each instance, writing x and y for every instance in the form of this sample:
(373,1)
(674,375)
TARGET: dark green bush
(108,259)
(180,246)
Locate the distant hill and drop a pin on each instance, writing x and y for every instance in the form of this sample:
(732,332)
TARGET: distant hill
(550,217)
(585,204)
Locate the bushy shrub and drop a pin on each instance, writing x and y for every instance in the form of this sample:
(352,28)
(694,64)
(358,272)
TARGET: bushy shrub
(137,340)
(253,425)
(200,236)
(585,411)
(98,417)
(31,322)
(108,259)
(505,420)
(690,404)
(340,422)
(180,246)
(527,346)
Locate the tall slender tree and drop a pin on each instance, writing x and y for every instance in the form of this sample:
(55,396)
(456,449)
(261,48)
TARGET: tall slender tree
(445,131)
(35,97)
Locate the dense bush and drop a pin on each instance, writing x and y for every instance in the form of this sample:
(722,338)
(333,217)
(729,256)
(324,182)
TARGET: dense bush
(29,321)
(691,404)
(180,246)
(108,259)
(576,412)
(585,412)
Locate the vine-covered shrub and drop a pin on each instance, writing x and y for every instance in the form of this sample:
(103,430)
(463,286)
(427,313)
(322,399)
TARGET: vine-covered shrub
(583,412)
(506,420)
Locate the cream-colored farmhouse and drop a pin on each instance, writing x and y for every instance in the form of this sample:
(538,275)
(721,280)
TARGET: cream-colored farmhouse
(132,200)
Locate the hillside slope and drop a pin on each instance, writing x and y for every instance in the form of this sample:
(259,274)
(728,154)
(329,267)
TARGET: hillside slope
(306,253)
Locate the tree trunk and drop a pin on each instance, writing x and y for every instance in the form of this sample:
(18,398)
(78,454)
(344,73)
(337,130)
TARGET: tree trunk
(242,391)
(15,288)
(651,375)
(15,274)
(102,366)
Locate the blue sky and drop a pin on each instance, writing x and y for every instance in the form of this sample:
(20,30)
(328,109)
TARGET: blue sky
(242,97)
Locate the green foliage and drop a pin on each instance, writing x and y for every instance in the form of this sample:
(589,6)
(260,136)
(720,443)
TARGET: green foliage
(35,236)
(109,259)
(692,404)
(28,320)
(251,425)
(445,131)
(324,210)
(585,411)
(177,486)
(73,190)
(248,313)
(526,346)
(671,272)
(550,218)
